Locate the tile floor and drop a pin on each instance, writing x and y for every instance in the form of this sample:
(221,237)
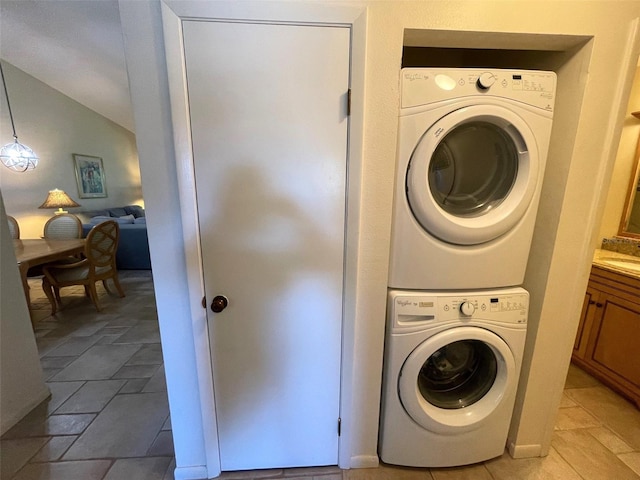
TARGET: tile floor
(108,419)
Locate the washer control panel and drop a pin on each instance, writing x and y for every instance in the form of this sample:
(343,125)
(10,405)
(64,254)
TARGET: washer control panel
(508,306)
(421,86)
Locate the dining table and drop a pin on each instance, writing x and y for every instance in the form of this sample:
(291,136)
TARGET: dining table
(31,252)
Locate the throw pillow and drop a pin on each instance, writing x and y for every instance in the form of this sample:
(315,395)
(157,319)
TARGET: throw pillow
(117,212)
(99,219)
(125,219)
(135,210)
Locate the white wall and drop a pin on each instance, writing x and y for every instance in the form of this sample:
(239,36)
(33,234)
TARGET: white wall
(21,382)
(580,161)
(623,170)
(56,127)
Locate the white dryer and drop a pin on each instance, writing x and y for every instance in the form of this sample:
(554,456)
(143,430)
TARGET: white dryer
(451,370)
(472,148)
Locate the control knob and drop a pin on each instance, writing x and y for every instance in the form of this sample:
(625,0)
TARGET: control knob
(485,81)
(467,309)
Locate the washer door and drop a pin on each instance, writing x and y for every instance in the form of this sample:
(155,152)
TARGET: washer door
(473,174)
(454,380)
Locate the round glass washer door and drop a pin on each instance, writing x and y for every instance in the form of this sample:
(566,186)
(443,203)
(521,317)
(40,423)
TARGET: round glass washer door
(473,174)
(457,378)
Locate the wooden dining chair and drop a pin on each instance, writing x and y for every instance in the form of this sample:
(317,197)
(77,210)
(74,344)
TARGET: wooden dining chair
(62,227)
(99,264)
(14,228)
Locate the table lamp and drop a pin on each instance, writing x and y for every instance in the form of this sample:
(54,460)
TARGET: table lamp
(58,199)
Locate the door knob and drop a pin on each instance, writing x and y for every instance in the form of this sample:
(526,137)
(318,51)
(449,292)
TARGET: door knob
(219,303)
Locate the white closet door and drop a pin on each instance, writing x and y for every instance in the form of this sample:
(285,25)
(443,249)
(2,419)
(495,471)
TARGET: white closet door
(269,130)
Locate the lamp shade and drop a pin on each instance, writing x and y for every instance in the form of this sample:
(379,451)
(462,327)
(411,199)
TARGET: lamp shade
(58,199)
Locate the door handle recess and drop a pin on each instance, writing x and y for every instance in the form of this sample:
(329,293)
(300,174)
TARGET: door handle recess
(219,303)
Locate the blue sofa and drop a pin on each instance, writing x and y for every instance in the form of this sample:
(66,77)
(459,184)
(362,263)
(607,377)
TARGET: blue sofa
(133,247)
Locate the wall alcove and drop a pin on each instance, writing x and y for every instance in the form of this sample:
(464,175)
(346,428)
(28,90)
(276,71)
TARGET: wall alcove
(568,56)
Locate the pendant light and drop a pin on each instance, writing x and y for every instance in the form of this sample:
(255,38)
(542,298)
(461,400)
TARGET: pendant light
(16,156)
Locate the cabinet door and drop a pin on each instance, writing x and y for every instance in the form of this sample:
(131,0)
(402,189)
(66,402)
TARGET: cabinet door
(615,338)
(586,322)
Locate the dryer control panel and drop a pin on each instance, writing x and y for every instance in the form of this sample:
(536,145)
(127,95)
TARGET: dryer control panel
(422,86)
(407,309)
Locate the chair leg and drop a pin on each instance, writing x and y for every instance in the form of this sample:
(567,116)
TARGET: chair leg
(106,287)
(116,282)
(48,291)
(94,295)
(57,292)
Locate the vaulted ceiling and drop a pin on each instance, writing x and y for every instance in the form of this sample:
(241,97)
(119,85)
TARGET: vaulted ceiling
(74,46)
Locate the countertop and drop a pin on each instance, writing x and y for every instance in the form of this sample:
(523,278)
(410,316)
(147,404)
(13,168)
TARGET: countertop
(600,254)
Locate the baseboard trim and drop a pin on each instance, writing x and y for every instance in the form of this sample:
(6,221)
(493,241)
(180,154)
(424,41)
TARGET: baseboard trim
(525,451)
(365,461)
(198,472)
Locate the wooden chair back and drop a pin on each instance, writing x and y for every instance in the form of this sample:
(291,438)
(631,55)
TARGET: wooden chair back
(62,227)
(102,242)
(14,228)
(99,264)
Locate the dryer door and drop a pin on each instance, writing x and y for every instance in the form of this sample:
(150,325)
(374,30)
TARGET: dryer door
(454,380)
(473,174)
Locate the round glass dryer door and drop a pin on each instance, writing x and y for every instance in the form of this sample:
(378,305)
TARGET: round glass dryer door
(455,379)
(473,174)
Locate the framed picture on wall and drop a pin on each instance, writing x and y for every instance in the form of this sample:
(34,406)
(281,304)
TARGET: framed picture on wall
(90,176)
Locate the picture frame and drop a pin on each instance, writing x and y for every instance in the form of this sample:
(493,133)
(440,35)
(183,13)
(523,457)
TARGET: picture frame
(90,176)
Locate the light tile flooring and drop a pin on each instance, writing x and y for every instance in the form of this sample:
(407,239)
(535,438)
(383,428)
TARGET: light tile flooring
(108,418)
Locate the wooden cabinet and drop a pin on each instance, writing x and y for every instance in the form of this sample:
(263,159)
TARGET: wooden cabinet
(608,340)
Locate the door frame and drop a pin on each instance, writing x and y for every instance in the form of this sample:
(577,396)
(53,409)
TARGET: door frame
(351,16)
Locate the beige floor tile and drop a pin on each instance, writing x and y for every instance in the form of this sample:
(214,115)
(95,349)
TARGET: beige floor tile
(311,471)
(591,459)
(470,472)
(577,378)
(251,474)
(84,470)
(125,428)
(14,454)
(612,410)
(551,467)
(610,440)
(170,469)
(54,449)
(575,417)
(566,402)
(149,468)
(632,460)
(387,472)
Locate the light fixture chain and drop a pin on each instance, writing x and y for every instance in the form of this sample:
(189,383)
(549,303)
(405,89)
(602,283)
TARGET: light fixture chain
(6,94)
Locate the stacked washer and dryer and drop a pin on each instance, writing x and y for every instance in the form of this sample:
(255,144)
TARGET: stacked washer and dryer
(472,147)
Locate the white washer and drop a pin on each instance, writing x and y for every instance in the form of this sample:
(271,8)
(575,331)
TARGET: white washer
(472,148)
(452,365)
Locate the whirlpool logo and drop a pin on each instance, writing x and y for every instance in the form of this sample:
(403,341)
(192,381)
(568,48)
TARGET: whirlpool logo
(416,76)
(405,303)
